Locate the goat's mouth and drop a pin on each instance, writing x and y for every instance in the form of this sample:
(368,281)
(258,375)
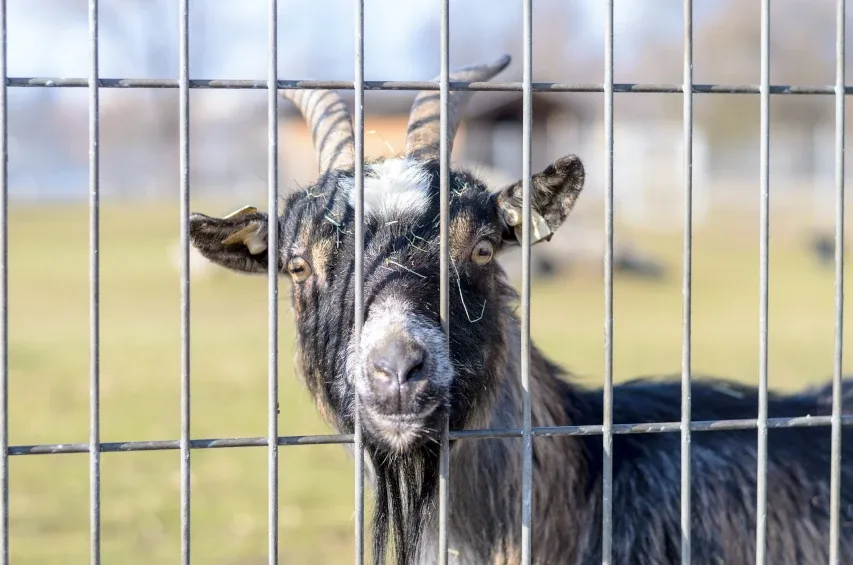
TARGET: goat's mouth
(401,431)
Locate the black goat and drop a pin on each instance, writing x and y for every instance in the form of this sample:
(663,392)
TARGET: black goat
(408,377)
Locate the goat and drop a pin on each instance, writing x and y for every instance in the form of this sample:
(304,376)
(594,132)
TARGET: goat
(409,378)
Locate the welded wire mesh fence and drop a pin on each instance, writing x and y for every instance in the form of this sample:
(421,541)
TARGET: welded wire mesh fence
(186,444)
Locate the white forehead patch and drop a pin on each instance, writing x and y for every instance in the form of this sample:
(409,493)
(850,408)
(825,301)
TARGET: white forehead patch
(394,188)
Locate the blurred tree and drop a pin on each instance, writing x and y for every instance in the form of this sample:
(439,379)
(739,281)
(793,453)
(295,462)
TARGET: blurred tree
(727,50)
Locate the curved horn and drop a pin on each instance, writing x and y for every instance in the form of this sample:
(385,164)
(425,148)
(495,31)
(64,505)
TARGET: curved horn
(330,125)
(423,137)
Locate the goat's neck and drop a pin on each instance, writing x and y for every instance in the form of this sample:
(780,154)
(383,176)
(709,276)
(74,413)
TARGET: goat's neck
(551,397)
(485,510)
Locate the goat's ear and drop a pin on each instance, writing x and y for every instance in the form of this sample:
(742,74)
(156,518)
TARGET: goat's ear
(553,194)
(237,242)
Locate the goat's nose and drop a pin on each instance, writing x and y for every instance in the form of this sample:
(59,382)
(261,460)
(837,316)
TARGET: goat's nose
(399,360)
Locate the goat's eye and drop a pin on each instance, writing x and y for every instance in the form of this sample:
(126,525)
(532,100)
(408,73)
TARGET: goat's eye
(299,269)
(483,252)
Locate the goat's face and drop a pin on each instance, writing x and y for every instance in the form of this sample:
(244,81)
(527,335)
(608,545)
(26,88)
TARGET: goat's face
(406,374)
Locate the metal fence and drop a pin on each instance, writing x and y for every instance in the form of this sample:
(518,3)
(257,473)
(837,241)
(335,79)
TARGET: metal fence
(607,429)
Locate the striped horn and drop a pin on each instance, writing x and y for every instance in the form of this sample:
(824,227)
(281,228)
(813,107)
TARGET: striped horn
(331,127)
(423,137)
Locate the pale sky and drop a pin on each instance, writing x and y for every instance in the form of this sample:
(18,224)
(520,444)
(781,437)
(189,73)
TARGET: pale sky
(50,37)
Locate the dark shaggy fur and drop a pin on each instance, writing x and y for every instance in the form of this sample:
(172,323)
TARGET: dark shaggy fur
(402,261)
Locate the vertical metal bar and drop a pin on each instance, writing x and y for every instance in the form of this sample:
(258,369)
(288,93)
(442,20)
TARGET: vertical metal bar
(764,270)
(184,135)
(94,295)
(272,276)
(607,432)
(358,84)
(4,298)
(835,475)
(687,288)
(444,301)
(526,140)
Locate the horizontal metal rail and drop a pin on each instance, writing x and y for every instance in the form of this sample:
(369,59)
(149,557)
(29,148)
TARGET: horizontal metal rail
(546,431)
(402,85)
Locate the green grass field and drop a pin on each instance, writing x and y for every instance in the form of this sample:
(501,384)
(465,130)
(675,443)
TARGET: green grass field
(140,368)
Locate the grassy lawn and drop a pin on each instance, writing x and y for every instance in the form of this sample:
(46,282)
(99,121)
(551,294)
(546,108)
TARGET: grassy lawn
(140,368)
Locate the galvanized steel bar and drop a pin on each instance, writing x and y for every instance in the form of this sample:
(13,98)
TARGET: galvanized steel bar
(607,425)
(764,273)
(835,470)
(184,138)
(272,281)
(404,85)
(526,244)
(687,285)
(540,431)
(444,272)
(359,269)
(4,297)
(94,295)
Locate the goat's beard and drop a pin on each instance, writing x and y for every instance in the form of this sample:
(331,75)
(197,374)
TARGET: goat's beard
(404,451)
(406,485)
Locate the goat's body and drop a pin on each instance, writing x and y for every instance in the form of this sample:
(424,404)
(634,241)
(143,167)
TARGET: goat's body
(408,376)
(485,483)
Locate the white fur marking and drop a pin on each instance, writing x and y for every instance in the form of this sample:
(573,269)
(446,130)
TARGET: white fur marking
(393,316)
(394,188)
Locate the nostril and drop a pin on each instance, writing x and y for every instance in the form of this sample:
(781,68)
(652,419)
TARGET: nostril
(416,371)
(383,369)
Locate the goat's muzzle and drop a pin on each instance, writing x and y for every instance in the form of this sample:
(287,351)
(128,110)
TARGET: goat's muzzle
(398,369)
(403,374)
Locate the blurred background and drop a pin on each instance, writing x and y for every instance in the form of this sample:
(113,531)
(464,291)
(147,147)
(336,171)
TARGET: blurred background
(140,347)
